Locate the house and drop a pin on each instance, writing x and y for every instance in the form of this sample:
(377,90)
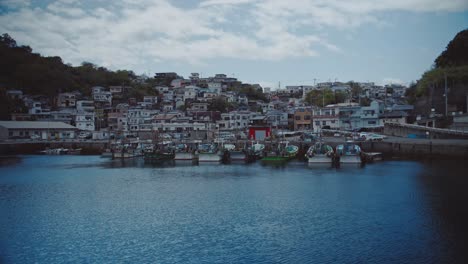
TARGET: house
(198,107)
(101,95)
(326,117)
(276,118)
(302,119)
(118,89)
(43,129)
(66,100)
(85,121)
(85,106)
(235,120)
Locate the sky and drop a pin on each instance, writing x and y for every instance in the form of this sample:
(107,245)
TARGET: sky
(270,42)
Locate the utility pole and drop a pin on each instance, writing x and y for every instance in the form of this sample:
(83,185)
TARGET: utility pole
(446,95)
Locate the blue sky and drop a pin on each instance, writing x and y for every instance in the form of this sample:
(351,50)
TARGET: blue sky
(257,41)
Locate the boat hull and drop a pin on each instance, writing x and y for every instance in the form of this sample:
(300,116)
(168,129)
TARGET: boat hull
(319,159)
(125,155)
(350,159)
(185,156)
(209,157)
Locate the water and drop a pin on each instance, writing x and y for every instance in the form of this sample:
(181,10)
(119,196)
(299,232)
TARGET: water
(57,209)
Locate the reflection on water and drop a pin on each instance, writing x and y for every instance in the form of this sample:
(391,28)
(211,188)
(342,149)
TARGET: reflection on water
(89,209)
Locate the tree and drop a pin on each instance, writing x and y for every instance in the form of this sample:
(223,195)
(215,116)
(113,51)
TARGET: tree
(456,53)
(325,97)
(218,104)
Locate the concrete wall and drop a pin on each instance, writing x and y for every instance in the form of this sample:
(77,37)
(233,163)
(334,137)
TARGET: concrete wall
(403,130)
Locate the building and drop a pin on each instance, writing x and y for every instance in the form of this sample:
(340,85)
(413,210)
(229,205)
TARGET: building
(42,129)
(66,100)
(326,117)
(235,120)
(302,119)
(85,121)
(85,106)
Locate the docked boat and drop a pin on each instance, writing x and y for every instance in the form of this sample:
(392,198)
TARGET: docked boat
(159,155)
(183,152)
(236,154)
(127,150)
(349,152)
(257,150)
(285,152)
(319,153)
(209,153)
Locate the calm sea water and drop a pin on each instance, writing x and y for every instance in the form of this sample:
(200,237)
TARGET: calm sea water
(86,209)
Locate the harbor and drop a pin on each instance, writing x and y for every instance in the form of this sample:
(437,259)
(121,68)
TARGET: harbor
(78,208)
(390,147)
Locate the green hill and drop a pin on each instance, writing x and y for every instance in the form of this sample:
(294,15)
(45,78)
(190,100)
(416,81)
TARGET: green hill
(452,64)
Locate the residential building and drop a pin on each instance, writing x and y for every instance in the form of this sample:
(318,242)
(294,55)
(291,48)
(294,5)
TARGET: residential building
(85,121)
(302,119)
(85,106)
(326,117)
(66,100)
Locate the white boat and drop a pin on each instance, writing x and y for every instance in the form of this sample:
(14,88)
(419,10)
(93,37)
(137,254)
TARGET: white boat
(183,152)
(209,153)
(349,153)
(320,153)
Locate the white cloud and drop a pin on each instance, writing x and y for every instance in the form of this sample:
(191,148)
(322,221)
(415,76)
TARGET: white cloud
(136,33)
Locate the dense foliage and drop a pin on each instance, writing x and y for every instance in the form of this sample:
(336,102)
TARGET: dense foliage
(325,97)
(450,65)
(24,70)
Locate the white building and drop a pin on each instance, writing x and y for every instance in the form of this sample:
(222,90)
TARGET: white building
(235,120)
(85,121)
(85,106)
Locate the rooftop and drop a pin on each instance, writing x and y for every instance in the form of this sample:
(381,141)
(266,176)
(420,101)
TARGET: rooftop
(35,125)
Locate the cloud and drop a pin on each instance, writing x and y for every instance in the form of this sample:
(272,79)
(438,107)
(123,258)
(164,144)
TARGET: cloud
(137,33)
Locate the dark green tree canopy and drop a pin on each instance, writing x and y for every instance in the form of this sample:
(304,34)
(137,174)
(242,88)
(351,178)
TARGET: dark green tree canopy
(456,53)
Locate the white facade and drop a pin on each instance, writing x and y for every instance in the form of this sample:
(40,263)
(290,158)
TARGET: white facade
(85,121)
(85,106)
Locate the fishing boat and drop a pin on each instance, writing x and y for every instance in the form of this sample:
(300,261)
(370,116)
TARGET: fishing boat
(257,150)
(319,153)
(159,155)
(127,150)
(184,152)
(237,154)
(209,153)
(349,152)
(284,152)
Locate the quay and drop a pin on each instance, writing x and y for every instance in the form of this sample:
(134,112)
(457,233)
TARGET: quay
(390,147)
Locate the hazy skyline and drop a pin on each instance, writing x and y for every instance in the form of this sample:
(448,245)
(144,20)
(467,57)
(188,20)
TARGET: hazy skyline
(257,41)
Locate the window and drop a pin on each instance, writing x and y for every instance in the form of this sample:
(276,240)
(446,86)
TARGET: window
(324,122)
(333,121)
(307,117)
(317,123)
(298,117)
(10,133)
(371,122)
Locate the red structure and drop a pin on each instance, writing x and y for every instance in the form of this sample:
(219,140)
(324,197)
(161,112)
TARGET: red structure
(259,132)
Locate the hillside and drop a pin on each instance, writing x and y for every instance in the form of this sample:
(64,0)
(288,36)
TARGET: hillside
(452,64)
